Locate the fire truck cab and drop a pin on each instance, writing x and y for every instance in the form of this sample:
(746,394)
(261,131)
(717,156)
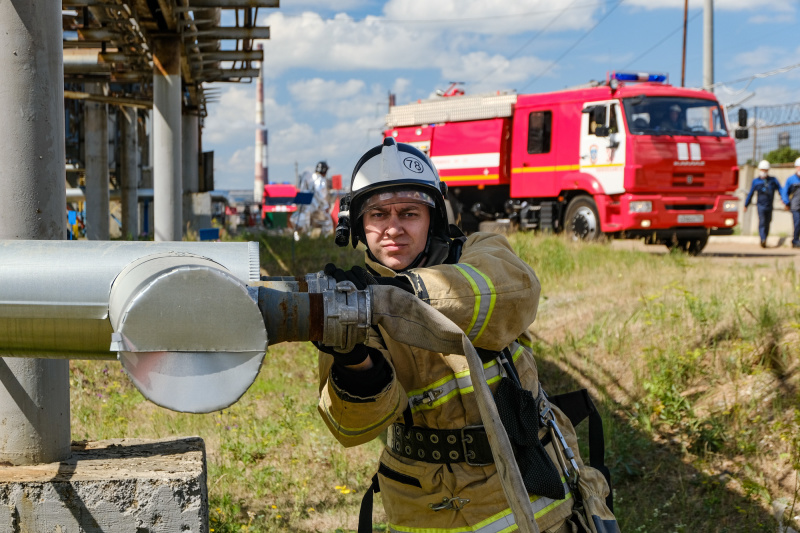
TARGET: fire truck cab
(632,157)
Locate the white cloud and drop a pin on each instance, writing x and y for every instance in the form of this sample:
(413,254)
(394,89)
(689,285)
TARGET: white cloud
(785,6)
(494,72)
(317,91)
(494,16)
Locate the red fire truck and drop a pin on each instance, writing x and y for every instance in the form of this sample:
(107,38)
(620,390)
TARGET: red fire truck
(631,157)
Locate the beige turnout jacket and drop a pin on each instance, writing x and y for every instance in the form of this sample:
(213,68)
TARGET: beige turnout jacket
(492,295)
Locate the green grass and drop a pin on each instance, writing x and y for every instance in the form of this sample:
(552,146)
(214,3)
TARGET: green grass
(692,363)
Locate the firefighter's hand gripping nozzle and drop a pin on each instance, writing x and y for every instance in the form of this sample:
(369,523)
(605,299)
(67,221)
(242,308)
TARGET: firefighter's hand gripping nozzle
(315,308)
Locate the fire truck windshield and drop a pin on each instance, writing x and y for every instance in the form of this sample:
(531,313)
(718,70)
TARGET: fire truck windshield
(669,115)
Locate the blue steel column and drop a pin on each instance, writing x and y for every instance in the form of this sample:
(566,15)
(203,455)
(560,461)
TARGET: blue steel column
(34,393)
(167,174)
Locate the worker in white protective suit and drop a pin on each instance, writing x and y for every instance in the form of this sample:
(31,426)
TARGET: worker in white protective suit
(437,473)
(317,214)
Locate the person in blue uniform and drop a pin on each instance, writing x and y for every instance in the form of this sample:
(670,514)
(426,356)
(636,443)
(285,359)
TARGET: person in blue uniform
(766,186)
(790,194)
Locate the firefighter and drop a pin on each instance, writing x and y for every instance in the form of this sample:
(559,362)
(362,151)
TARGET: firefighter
(766,186)
(317,214)
(437,471)
(790,194)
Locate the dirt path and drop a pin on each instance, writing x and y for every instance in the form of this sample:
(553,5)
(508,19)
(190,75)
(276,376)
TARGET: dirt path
(740,250)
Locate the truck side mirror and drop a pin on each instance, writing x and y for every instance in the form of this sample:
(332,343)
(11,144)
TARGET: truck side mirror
(741,133)
(742,118)
(601,131)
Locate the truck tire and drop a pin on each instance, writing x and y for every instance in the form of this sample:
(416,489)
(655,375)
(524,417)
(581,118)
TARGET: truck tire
(581,222)
(690,246)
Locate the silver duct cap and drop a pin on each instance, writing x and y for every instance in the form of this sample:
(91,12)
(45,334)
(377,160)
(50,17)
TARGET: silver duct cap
(189,334)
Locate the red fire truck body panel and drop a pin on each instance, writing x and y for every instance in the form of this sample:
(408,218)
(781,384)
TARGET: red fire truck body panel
(615,146)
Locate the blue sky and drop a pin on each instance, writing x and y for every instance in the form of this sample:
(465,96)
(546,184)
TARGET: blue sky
(329,66)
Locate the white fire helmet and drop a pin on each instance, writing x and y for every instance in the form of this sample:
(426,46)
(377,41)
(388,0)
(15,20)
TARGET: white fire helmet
(391,167)
(764,165)
(797,162)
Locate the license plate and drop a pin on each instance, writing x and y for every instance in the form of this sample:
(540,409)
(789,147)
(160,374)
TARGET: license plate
(690,219)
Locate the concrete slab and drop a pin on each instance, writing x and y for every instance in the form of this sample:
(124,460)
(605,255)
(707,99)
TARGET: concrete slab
(110,486)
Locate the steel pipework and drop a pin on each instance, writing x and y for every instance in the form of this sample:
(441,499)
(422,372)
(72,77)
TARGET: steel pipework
(54,295)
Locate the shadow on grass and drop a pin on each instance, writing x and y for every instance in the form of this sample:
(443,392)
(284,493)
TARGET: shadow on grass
(655,489)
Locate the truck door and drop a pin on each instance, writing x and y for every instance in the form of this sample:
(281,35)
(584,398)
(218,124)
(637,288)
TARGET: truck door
(602,147)
(533,154)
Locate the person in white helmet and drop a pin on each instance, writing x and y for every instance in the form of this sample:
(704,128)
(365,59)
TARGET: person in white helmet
(766,186)
(790,194)
(437,473)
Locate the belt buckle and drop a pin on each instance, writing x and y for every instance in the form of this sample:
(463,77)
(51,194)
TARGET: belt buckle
(464,445)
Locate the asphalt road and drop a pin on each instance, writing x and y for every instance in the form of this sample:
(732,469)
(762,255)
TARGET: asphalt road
(734,249)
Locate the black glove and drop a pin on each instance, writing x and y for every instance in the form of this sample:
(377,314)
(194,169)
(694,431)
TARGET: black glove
(355,356)
(361,278)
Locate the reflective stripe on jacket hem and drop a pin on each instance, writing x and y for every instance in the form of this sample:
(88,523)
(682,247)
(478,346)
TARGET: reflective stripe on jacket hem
(501,522)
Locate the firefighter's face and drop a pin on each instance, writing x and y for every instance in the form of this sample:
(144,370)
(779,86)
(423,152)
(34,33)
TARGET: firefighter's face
(397,233)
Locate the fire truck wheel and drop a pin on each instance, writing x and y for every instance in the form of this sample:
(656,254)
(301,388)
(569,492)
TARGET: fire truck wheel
(582,222)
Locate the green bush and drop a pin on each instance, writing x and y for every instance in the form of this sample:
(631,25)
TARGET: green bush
(785,154)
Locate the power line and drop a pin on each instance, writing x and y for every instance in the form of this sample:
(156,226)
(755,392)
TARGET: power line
(760,75)
(576,43)
(529,41)
(659,43)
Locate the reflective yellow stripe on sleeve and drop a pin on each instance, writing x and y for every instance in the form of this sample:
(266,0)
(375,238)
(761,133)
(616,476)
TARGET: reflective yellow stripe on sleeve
(485,299)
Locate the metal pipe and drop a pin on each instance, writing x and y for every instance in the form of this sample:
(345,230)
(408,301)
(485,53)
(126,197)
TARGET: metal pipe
(190,167)
(167,174)
(34,393)
(75,194)
(129,155)
(54,296)
(258,183)
(708,45)
(234,3)
(96,158)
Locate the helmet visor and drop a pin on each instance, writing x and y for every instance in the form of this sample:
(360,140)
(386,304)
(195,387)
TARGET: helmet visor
(401,196)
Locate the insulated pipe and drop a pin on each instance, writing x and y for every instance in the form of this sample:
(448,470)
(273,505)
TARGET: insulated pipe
(167,176)
(34,393)
(54,296)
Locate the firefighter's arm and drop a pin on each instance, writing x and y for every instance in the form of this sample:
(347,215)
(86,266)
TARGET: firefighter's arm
(358,414)
(491,294)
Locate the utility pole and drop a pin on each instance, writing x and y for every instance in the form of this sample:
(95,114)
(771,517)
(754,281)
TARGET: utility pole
(708,45)
(683,56)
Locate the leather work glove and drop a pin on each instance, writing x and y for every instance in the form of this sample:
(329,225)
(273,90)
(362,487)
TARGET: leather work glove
(361,278)
(355,356)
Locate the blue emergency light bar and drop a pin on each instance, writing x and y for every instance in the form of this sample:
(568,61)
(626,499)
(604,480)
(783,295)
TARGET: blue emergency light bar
(639,76)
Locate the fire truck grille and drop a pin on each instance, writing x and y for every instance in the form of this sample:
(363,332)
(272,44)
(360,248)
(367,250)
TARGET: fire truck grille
(688,180)
(689,207)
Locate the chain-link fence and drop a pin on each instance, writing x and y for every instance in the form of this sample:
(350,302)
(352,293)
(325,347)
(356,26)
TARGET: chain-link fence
(771,127)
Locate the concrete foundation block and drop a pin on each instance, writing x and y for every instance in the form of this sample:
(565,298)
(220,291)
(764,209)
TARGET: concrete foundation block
(110,486)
